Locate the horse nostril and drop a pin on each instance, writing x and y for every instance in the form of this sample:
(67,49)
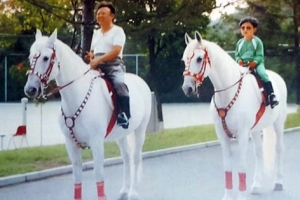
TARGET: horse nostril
(190,90)
(31,91)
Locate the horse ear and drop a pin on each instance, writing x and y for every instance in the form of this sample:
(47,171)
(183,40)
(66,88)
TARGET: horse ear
(187,38)
(38,34)
(53,37)
(198,36)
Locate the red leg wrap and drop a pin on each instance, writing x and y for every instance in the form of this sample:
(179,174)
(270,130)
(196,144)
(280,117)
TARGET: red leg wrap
(242,178)
(77,191)
(228,180)
(100,190)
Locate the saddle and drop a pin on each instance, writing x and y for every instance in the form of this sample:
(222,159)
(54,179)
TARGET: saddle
(260,86)
(115,107)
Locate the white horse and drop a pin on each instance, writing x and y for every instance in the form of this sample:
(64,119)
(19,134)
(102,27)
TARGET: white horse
(235,105)
(87,108)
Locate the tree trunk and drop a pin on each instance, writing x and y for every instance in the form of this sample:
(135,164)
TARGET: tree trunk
(153,70)
(297,52)
(87,25)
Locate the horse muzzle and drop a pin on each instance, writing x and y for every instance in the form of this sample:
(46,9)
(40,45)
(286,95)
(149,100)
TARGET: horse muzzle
(188,90)
(32,92)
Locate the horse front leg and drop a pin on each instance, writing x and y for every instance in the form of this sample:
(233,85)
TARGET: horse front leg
(97,146)
(256,187)
(243,138)
(140,134)
(227,170)
(74,153)
(226,152)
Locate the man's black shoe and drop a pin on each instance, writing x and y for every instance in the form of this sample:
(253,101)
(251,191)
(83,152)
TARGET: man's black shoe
(273,101)
(122,120)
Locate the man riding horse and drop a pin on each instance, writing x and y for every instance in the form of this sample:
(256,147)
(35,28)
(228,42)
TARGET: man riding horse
(106,55)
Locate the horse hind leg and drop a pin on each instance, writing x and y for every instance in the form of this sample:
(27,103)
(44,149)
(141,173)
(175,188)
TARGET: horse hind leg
(137,142)
(125,153)
(256,187)
(97,147)
(132,154)
(131,151)
(279,128)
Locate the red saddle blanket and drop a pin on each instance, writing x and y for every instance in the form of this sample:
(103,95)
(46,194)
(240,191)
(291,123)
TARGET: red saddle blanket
(264,101)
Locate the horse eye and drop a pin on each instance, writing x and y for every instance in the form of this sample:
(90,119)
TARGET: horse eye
(46,58)
(199,59)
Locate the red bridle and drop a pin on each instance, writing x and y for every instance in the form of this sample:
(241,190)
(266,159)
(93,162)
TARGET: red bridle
(200,75)
(43,77)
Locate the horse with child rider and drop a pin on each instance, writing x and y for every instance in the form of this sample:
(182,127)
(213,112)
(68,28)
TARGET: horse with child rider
(239,106)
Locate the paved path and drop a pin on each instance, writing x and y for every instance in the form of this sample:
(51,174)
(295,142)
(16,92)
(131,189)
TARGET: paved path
(188,175)
(43,128)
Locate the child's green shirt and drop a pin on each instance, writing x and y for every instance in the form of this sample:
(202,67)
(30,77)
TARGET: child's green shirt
(252,50)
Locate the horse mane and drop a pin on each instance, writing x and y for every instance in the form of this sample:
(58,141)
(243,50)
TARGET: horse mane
(219,55)
(62,50)
(67,51)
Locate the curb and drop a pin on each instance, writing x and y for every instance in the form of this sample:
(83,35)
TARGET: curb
(33,176)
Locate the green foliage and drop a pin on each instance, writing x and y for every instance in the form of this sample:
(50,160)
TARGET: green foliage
(16,78)
(21,17)
(276,29)
(152,25)
(155,29)
(18,23)
(159,27)
(17,75)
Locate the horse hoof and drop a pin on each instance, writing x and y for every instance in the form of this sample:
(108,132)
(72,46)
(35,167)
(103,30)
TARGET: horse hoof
(133,197)
(123,196)
(255,190)
(227,198)
(278,187)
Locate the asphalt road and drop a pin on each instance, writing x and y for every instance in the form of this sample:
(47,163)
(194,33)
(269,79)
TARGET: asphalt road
(187,175)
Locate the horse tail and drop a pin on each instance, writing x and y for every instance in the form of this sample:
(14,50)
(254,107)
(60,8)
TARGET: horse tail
(269,140)
(135,148)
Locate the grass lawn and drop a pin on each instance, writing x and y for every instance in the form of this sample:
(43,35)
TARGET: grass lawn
(38,158)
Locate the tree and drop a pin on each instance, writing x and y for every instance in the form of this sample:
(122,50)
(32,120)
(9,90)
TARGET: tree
(153,25)
(279,30)
(18,23)
(158,25)
(282,17)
